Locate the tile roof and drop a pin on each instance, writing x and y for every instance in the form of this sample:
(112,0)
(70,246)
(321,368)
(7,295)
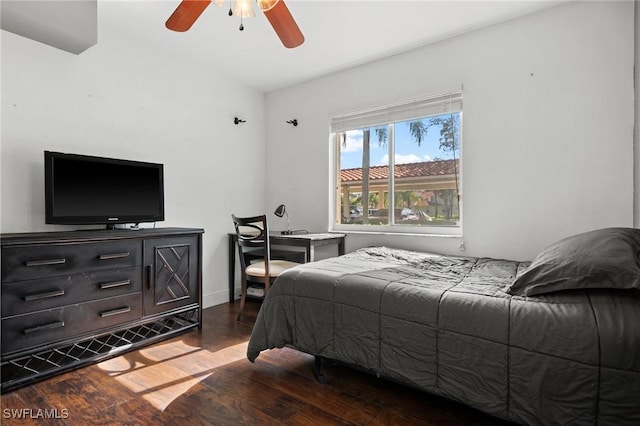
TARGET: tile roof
(427,168)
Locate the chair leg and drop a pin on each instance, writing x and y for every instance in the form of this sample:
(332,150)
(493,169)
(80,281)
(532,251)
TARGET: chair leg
(243,296)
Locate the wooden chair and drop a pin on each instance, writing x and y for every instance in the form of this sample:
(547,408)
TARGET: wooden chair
(258,270)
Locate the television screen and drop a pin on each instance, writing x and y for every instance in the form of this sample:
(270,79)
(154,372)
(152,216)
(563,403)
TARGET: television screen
(81,189)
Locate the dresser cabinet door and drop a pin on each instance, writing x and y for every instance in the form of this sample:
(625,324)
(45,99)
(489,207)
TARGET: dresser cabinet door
(171,273)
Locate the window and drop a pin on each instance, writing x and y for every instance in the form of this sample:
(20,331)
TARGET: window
(397,168)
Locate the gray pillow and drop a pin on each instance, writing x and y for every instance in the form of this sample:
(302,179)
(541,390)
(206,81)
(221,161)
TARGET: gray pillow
(605,258)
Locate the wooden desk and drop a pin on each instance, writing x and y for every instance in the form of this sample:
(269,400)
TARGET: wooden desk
(308,242)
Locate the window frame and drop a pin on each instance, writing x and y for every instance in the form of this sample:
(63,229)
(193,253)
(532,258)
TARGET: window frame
(392,228)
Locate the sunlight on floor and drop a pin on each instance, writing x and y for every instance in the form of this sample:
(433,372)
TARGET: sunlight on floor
(162,373)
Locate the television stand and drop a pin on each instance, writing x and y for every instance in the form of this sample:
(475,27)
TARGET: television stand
(78,297)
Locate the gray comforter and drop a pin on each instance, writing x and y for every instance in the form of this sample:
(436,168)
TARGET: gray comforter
(445,325)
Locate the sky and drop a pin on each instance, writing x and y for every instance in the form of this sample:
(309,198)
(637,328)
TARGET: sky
(407,150)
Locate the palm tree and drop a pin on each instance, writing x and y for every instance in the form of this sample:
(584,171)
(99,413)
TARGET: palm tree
(449,139)
(366,159)
(418,130)
(382,134)
(404,199)
(374,198)
(354,199)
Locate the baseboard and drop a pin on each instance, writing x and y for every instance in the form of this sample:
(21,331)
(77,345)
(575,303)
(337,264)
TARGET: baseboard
(217,298)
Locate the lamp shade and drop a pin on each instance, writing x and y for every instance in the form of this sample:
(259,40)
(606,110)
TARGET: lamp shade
(280,210)
(243,8)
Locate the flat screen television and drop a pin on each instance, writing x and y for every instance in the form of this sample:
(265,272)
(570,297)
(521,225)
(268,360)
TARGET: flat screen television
(87,190)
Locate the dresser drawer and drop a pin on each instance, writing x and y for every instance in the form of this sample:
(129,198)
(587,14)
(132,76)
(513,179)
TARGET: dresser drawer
(19,297)
(42,327)
(49,260)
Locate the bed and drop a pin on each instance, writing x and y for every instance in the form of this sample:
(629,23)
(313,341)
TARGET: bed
(553,341)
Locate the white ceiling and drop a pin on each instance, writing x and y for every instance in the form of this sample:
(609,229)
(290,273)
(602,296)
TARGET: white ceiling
(70,26)
(339,34)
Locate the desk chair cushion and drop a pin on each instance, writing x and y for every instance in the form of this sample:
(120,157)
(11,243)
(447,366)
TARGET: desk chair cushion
(276,267)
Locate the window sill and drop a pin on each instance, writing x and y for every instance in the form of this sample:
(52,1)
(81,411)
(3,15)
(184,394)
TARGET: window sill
(444,233)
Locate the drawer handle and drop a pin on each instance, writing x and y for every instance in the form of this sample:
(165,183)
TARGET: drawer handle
(39,296)
(45,262)
(115,312)
(105,286)
(113,256)
(44,327)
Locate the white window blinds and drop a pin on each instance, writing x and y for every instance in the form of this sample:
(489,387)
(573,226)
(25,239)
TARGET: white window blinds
(449,101)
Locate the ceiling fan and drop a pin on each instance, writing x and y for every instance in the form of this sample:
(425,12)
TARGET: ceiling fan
(276,12)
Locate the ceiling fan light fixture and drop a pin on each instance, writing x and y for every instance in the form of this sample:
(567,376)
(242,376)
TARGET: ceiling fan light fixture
(243,8)
(276,12)
(266,5)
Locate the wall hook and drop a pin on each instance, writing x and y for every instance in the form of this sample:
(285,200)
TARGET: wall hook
(237,121)
(294,122)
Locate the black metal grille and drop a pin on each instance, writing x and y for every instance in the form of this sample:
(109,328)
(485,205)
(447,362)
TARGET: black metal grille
(39,365)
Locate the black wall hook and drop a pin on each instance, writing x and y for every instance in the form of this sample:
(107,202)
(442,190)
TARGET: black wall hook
(237,121)
(294,122)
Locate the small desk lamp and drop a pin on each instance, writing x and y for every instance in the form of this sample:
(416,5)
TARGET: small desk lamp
(281,210)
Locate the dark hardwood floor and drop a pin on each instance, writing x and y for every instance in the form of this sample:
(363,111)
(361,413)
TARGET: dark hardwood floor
(203,377)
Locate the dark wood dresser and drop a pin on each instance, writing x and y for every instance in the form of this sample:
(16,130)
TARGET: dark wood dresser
(77,297)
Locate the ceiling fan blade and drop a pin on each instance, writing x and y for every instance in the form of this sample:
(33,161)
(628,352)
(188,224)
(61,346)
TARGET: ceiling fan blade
(284,25)
(186,14)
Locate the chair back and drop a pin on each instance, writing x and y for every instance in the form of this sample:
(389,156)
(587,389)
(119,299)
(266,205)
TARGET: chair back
(252,234)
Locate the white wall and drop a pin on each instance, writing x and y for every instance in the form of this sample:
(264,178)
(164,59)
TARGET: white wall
(553,151)
(123,100)
(636,135)
(548,129)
